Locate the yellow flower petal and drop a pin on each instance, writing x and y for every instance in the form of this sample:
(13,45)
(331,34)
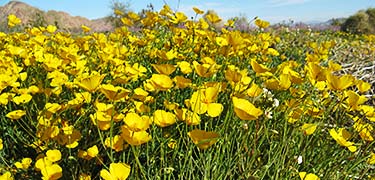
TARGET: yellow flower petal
(310,176)
(91,83)
(214,109)
(93,151)
(245,110)
(134,138)
(53,155)
(161,82)
(17,114)
(136,123)
(13,20)
(52,172)
(202,138)
(308,129)
(163,118)
(116,171)
(165,69)
(6,176)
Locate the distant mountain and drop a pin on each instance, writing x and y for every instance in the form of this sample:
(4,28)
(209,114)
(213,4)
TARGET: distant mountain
(30,15)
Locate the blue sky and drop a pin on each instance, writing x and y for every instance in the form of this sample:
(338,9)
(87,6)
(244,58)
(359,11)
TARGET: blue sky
(271,10)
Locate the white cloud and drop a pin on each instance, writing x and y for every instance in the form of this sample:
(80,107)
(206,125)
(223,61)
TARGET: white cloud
(278,3)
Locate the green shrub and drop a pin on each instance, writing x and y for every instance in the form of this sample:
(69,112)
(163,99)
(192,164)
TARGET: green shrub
(363,22)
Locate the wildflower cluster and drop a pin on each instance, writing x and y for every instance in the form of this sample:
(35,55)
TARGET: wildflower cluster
(106,104)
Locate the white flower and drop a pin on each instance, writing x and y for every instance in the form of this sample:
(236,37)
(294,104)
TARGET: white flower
(267,94)
(276,102)
(268,114)
(299,159)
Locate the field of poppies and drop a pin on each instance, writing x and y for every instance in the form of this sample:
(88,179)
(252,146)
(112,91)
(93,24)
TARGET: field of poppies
(181,99)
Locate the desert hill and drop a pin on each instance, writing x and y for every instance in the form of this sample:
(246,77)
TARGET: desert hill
(31,15)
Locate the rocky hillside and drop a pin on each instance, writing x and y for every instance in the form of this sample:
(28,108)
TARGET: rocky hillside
(33,16)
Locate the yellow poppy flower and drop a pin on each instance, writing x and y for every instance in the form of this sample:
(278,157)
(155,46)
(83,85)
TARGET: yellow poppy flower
(85,29)
(83,97)
(261,24)
(52,107)
(163,118)
(140,107)
(118,12)
(103,107)
(53,155)
(230,23)
(182,82)
(284,82)
(197,11)
(308,129)
(91,83)
(89,154)
(165,69)
(134,16)
(185,67)
(161,82)
(135,71)
(203,24)
(127,21)
(51,28)
(42,163)
(260,69)
(140,94)
(371,159)
(208,60)
(354,100)
(134,138)
(205,70)
(310,176)
(58,78)
(114,93)
(339,83)
(171,54)
(101,119)
(116,171)
(6,176)
(13,20)
(166,10)
(363,86)
(5,97)
(202,138)
(245,110)
(369,112)
(51,62)
(202,101)
(341,138)
(232,74)
(170,105)
(22,99)
(93,151)
(52,172)
(136,123)
(116,143)
(213,18)
(214,109)
(178,18)
(17,114)
(187,116)
(84,176)
(364,129)
(333,66)
(254,90)
(315,72)
(24,164)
